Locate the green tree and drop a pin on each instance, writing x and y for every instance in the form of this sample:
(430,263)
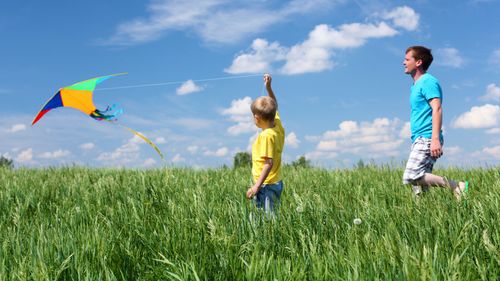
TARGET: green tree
(302,162)
(6,162)
(242,159)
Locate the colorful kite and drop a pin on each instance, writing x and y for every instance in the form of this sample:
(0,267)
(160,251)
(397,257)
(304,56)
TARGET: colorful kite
(79,96)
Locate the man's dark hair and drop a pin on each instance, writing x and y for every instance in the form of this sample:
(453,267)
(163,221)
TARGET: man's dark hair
(421,53)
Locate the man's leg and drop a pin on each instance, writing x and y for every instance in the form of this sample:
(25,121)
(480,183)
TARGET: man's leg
(429,180)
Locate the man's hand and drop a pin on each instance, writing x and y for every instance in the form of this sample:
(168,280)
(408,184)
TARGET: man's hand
(436,149)
(252,191)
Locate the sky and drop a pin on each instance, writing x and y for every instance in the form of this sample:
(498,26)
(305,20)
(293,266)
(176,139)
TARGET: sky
(194,67)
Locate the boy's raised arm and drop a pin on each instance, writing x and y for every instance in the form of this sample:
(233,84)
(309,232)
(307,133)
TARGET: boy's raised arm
(267,82)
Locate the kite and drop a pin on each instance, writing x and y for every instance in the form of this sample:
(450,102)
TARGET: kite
(79,96)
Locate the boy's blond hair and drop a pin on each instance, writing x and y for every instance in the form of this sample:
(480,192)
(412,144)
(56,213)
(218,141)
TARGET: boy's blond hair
(265,107)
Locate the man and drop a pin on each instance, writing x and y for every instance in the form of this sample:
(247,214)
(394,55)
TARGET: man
(426,120)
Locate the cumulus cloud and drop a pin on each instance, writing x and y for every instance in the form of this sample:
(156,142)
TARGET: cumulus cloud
(160,140)
(452,150)
(149,162)
(25,156)
(87,146)
(192,149)
(221,152)
(495,58)
(404,17)
(493,131)
(178,158)
(449,57)
(188,87)
(258,59)
(492,151)
(406,131)
(218,21)
(485,116)
(379,138)
(240,112)
(55,154)
(17,128)
(315,53)
(125,154)
(492,93)
(194,123)
(291,140)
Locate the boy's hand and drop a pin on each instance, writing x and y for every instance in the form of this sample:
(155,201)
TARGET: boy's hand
(267,80)
(267,83)
(252,191)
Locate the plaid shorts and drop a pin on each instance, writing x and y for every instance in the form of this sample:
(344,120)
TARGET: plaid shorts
(420,160)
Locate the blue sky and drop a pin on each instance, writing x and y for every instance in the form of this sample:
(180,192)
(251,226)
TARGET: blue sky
(336,65)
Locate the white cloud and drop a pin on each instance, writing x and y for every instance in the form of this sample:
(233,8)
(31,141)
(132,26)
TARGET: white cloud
(221,152)
(404,17)
(178,158)
(452,150)
(194,123)
(188,87)
(406,131)
(87,146)
(25,156)
(449,57)
(125,154)
(219,21)
(259,59)
(240,113)
(493,131)
(492,93)
(379,138)
(149,162)
(291,140)
(316,52)
(17,128)
(495,58)
(192,149)
(55,154)
(485,116)
(493,151)
(160,140)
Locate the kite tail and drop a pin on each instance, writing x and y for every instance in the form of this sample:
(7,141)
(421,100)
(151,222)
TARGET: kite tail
(110,114)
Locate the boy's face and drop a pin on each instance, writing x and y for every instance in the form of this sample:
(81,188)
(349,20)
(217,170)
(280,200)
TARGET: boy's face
(257,120)
(410,63)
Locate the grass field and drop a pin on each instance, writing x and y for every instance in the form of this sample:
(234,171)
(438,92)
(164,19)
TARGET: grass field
(184,224)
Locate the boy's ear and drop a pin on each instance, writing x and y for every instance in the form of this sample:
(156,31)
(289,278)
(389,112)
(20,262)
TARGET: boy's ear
(418,63)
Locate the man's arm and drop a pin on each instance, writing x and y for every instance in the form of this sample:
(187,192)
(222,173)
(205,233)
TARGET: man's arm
(267,82)
(268,165)
(437,121)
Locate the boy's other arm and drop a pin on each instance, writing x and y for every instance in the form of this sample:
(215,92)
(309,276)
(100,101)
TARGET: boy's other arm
(270,92)
(268,165)
(437,121)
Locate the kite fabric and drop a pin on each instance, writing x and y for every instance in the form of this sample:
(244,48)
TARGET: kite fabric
(79,96)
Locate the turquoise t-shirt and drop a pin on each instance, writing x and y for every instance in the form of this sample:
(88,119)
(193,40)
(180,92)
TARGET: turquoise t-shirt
(426,88)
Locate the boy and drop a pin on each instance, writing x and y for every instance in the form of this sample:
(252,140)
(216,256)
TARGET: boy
(266,151)
(425,121)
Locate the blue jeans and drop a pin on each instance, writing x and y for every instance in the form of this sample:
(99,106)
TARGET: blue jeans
(268,196)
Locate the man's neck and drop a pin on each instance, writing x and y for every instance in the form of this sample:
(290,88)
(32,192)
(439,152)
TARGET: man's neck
(417,74)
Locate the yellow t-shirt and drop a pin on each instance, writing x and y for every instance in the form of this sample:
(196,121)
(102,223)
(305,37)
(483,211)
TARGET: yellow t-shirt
(269,144)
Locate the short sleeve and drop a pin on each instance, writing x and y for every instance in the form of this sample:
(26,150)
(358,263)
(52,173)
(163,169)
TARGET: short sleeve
(431,89)
(266,146)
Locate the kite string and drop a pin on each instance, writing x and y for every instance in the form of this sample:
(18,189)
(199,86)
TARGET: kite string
(178,82)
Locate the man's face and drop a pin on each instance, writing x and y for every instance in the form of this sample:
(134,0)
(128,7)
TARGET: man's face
(410,63)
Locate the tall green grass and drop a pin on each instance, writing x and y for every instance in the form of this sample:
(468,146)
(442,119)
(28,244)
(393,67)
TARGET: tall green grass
(184,224)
